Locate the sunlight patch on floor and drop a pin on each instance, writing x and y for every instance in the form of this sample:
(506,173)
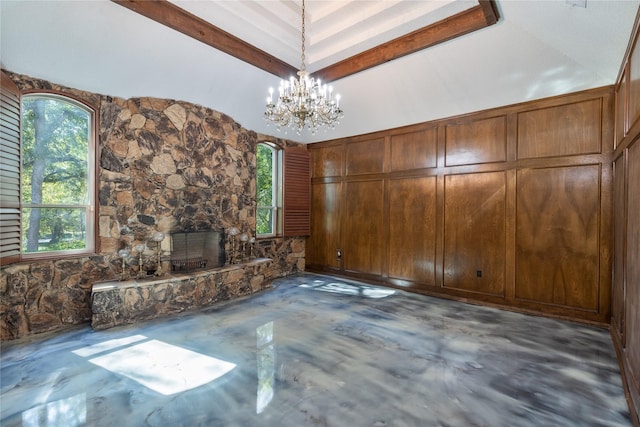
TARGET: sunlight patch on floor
(348,289)
(162,367)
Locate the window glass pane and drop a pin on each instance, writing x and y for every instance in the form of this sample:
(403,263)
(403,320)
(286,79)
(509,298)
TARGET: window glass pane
(264,221)
(55,146)
(56,182)
(265,168)
(53,229)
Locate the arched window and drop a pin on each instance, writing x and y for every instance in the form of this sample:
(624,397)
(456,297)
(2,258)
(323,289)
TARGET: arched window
(269,189)
(57,176)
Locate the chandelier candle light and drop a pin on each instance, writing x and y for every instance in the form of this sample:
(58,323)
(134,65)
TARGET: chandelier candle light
(303,102)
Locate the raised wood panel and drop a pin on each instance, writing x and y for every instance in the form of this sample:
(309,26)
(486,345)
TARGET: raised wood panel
(412,229)
(327,161)
(365,157)
(626,225)
(363,227)
(557,245)
(478,141)
(634,85)
(568,129)
(619,226)
(475,233)
(632,303)
(325,225)
(621,112)
(415,150)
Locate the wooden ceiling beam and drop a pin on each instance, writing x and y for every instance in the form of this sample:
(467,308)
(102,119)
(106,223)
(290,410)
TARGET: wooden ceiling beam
(172,16)
(473,19)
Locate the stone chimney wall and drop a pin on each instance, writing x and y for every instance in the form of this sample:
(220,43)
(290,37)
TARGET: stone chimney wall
(164,165)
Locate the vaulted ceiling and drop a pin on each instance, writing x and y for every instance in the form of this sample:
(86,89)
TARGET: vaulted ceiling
(536,49)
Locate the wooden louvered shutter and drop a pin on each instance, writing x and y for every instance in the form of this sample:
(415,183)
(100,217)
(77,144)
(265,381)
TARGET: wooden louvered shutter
(296,204)
(9,172)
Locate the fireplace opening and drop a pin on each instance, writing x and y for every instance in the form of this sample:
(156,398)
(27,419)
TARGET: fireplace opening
(197,250)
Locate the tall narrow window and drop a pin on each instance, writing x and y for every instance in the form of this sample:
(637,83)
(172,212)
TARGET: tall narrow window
(57,180)
(268,189)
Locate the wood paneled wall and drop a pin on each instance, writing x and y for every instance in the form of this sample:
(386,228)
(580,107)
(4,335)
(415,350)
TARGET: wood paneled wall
(625,322)
(510,206)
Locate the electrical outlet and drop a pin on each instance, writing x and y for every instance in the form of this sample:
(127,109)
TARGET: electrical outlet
(478,273)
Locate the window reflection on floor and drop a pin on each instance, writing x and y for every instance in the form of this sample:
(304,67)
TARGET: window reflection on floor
(162,367)
(70,412)
(266,365)
(349,289)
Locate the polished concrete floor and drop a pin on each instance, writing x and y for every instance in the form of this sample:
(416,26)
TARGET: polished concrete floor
(317,351)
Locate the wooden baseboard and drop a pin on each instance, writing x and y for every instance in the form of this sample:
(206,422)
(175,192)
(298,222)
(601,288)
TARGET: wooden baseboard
(634,407)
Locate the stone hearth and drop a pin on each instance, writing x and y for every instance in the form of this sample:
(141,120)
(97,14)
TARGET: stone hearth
(121,302)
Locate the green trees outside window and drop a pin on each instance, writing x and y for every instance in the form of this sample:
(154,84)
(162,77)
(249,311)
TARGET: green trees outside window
(268,184)
(57,174)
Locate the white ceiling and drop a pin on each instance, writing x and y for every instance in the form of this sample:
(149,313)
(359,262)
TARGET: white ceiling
(538,48)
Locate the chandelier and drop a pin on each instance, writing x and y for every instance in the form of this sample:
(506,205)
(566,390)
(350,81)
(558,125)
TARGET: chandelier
(304,102)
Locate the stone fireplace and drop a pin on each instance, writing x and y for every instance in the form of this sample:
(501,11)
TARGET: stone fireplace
(164,165)
(196,250)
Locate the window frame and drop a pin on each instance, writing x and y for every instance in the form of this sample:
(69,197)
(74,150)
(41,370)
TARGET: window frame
(276,197)
(92,223)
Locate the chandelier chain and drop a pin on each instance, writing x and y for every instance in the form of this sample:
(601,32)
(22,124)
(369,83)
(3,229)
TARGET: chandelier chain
(303,67)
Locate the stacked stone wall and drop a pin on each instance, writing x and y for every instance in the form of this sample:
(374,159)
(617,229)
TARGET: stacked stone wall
(165,166)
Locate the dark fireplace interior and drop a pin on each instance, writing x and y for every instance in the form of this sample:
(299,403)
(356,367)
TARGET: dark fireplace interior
(197,250)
